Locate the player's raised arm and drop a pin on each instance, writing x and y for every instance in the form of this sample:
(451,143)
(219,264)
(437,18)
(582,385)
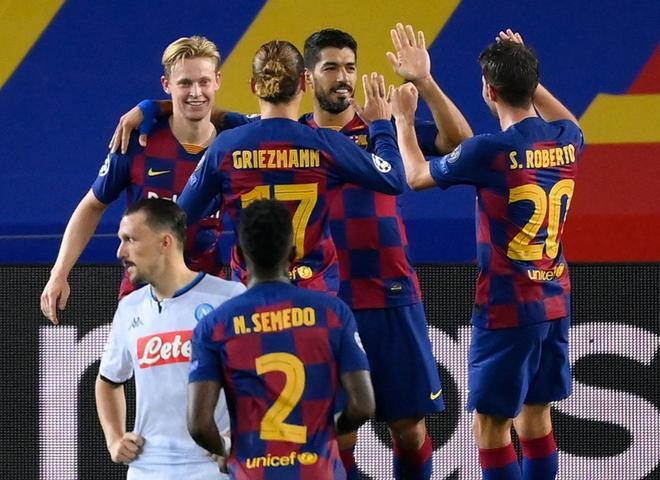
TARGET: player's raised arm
(381,171)
(404,103)
(412,62)
(546,104)
(77,235)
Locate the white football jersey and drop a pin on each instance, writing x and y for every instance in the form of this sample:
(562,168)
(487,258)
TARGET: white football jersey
(151,340)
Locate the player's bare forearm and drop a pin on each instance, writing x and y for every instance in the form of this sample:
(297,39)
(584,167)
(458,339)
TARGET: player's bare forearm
(79,231)
(452,126)
(111,410)
(418,173)
(202,400)
(550,108)
(207,436)
(361,403)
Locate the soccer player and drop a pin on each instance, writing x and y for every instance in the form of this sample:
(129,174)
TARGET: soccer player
(378,280)
(161,169)
(525,176)
(278,157)
(150,338)
(279,353)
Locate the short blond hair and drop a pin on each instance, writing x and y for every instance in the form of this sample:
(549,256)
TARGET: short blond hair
(189,47)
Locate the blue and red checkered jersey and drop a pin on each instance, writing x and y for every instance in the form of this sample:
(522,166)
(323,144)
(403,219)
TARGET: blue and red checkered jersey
(368,230)
(161,169)
(300,166)
(525,178)
(278,351)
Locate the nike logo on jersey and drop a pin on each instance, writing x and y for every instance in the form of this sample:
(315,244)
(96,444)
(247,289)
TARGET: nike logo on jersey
(154,173)
(435,395)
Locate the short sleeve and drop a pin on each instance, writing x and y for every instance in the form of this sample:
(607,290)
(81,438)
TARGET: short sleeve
(113,178)
(205,362)
(116,362)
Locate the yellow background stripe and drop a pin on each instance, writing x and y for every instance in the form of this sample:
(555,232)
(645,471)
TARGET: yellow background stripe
(633,118)
(294,21)
(22,23)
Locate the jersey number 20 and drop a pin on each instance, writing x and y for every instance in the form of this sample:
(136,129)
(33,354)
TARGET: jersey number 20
(521,248)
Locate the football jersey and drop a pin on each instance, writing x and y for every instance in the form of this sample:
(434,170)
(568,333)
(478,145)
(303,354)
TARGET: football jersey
(375,270)
(278,351)
(161,169)
(285,160)
(152,340)
(525,178)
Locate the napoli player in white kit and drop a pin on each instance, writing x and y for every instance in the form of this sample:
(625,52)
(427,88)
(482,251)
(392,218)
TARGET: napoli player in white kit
(150,339)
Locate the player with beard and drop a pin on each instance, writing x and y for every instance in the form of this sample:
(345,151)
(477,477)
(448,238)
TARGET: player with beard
(377,278)
(150,339)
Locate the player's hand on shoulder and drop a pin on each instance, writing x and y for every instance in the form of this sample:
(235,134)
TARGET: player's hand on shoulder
(509,35)
(127,448)
(404,103)
(377,99)
(411,59)
(54,297)
(128,122)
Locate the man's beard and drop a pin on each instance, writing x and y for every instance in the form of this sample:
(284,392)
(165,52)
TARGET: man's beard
(332,106)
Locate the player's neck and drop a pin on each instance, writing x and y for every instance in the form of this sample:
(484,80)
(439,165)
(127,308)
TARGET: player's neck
(258,275)
(173,278)
(289,110)
(510,116)
(327,119)
(200,132)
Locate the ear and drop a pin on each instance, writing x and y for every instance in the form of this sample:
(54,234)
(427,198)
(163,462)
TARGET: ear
(492,93)
(218,78)
(166,84)
(308,79)
(303,83)
(167,241)
(253,82)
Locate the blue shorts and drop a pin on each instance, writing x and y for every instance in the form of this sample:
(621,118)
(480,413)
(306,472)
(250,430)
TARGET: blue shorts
(403,370)
(510,367)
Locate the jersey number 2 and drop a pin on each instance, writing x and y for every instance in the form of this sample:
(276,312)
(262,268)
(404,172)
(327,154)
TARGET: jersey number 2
(272,425)
(521,248)
(305,193)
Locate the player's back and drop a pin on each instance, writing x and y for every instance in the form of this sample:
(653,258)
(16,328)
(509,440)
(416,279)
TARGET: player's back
(523,202)
(282,159)
(281,350)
